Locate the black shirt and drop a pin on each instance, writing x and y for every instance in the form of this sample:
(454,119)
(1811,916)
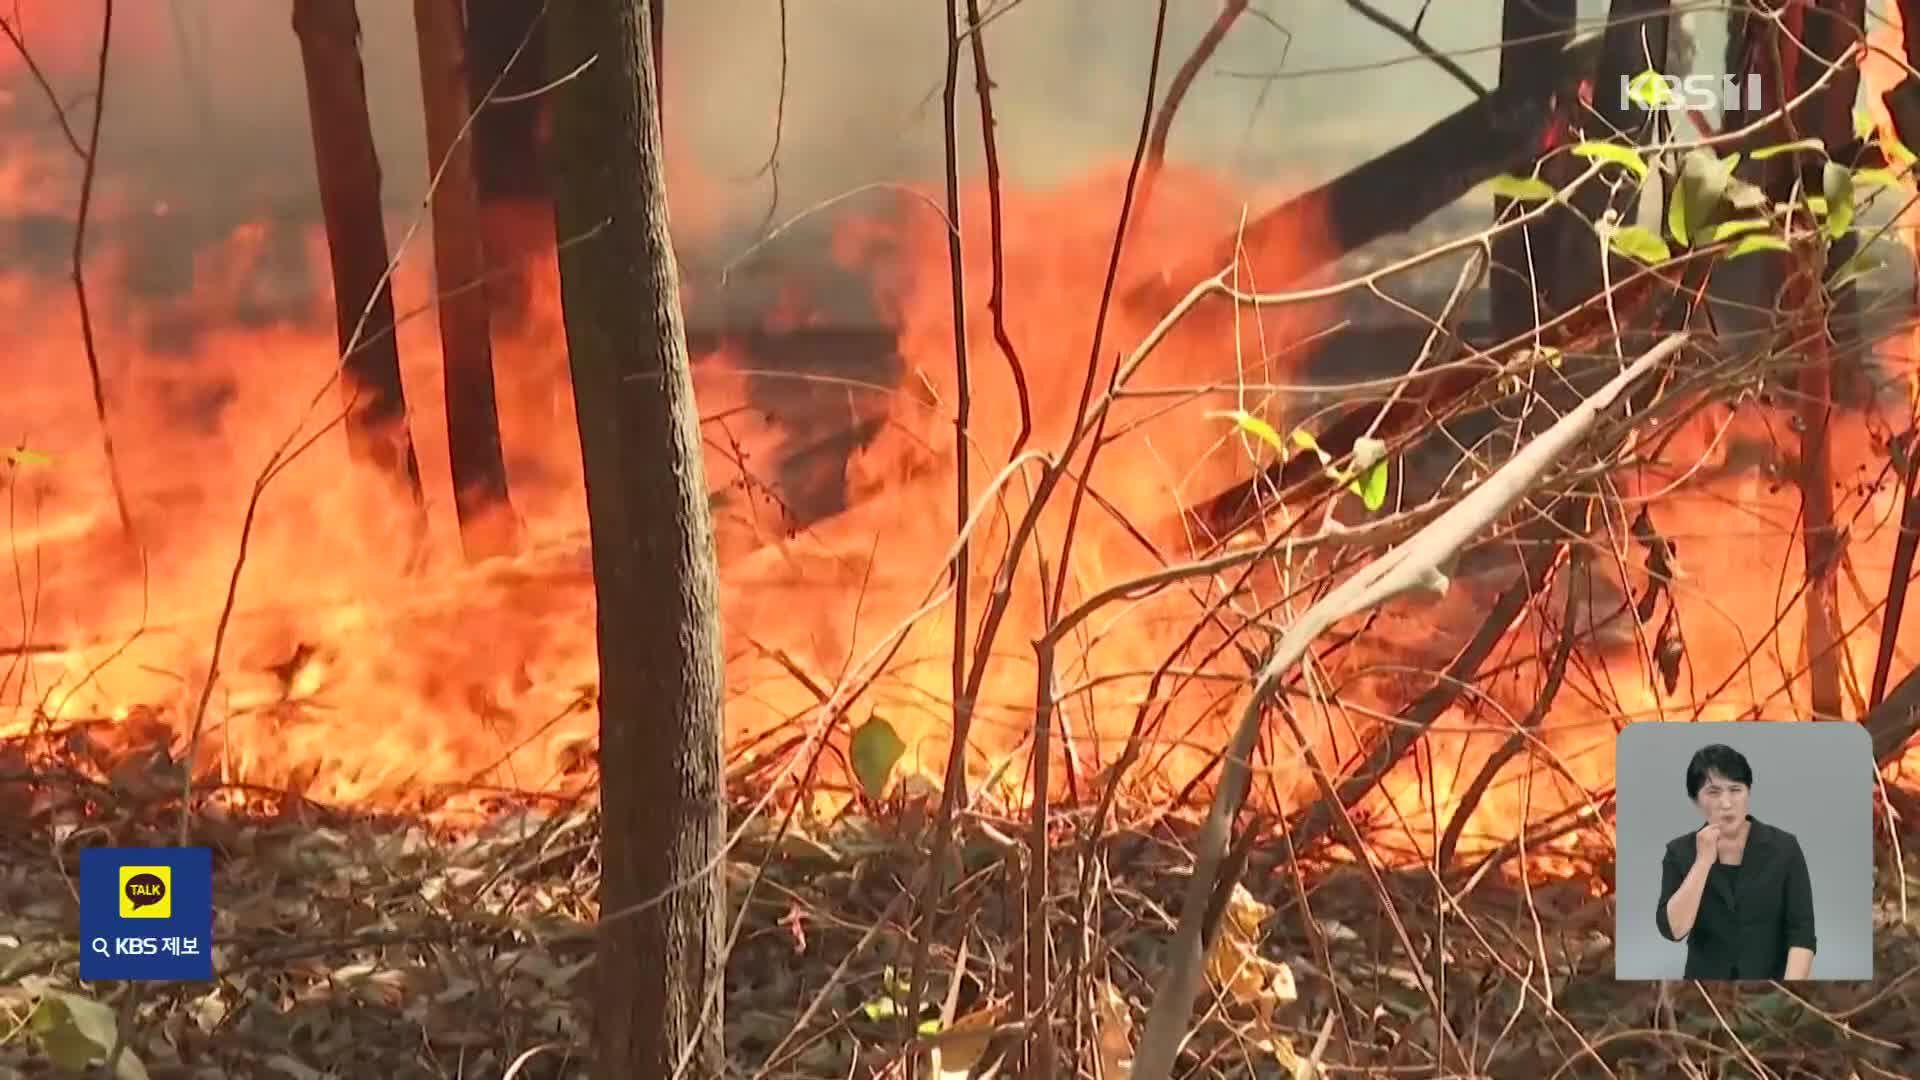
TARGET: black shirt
(1750,914)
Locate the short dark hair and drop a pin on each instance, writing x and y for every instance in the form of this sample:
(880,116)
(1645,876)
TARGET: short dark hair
(1717,758)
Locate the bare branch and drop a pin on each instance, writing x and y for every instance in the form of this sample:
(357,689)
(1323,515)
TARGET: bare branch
(1411,35)
(1412,567)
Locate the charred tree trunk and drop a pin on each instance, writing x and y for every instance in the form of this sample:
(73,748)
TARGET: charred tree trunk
(1498,133)
(1635,41)
(1830,33)
(507,44)
(1533,35)
(661,960)
(1790,46)
(459,263)
(1833,30)
(349,176)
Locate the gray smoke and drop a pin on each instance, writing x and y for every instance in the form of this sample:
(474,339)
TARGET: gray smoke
(207,111)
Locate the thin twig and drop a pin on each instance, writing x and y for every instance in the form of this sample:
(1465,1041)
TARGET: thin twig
(88,171)
(961,563)
(1411,35)
(14,35)
(997,299)
(1203,51)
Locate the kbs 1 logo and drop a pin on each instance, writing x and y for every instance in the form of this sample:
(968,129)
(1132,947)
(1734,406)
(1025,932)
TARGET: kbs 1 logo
(1652,91)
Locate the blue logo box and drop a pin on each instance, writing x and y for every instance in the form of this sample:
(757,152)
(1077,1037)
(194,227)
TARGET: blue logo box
(146,914)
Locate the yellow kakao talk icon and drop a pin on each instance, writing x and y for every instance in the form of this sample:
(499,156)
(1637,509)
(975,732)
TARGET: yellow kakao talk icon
(146,892)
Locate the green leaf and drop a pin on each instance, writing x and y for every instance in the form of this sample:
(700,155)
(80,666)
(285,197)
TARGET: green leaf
(1615,153)
(880,1008)
(1698,195)
(929,1026)
(1863,125)
(1520,188)
(1817,205)
(1255,427)
(20,455)
(1304,440)
(1650,90)
(1896,150)
(875,749)
(1373,486)
(1730,229)
(1777,149)
(1836,182)
(1875,178)
(1677,217)
(1638,242)
(1758,242)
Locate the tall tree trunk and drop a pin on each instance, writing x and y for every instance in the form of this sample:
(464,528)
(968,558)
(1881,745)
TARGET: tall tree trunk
(1533,35)
(1635,40)
(1773,41)
(1831,33)
(653,555)
(1827,369)
(509,148)
(479,468)
(349,175)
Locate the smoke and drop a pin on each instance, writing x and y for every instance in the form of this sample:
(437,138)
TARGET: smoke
(206,107)
(773,108)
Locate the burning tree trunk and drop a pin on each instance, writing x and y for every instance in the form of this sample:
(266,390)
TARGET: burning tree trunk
(1831,37)
(349,175)
(506,45)
(1533,33)
(459,257)
(661,899)
(1497,133)
(1771,44)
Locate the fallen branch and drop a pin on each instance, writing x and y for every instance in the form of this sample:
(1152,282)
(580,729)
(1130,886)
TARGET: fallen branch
(1498,133)
(1412,567)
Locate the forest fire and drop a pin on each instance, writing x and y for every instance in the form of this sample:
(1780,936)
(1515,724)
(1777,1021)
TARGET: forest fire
(1015,539)
(355,673)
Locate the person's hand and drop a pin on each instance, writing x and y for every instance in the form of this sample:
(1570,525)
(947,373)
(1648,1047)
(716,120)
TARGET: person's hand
(1706,844)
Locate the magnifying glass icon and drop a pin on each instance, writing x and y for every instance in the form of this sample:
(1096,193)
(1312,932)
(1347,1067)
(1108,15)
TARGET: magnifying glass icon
(99,946)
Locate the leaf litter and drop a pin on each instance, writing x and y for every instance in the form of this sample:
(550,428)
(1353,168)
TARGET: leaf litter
(350,944)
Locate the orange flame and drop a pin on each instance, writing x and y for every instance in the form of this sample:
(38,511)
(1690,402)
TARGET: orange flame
(359,682)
